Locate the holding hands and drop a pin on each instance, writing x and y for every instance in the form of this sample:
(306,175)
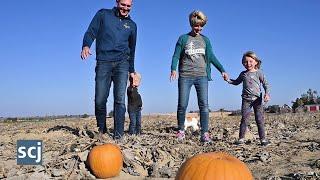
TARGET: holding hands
(225,76)
(136,79)
(266,97)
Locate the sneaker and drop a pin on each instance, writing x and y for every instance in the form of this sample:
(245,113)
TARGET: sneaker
(103,130)
(101,137)
(240,141)
(205,138)
(265,142)
(181,135)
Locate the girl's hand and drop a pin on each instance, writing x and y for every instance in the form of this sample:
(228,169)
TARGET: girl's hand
(173,75)
(266,97)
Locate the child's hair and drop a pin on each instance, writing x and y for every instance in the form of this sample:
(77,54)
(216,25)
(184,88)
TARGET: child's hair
(252,55)
(197,17)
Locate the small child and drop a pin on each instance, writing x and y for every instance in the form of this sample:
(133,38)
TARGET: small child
(252,78)
(134,105)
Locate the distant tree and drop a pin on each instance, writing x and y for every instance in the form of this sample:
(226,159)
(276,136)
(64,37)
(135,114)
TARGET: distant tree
(84,116)
(311,97)
(11,119)
(273,109)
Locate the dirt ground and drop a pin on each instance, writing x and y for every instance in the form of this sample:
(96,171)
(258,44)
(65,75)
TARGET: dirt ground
(294,152)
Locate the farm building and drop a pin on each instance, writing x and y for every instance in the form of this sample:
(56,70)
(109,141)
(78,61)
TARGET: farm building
(313,107)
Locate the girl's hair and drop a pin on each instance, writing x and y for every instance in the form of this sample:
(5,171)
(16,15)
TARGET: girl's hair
(252,55)
(197,17)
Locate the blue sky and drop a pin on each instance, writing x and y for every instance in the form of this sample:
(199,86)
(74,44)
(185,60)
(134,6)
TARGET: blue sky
(41,72)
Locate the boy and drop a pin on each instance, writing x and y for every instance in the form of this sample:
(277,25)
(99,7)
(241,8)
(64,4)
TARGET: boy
(134,105)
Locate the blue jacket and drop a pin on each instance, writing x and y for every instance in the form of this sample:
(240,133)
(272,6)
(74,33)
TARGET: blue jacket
(209,57)
(115,36)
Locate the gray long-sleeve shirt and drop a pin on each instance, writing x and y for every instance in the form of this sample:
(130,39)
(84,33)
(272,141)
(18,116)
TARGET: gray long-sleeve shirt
(251,84)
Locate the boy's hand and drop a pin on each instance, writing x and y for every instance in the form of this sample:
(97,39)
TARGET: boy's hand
(228,81)
(266,97)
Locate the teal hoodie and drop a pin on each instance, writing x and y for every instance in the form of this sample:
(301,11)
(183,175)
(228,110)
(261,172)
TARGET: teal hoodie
(209,56)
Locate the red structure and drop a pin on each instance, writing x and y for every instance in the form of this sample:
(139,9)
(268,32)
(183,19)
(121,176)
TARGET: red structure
(313,107)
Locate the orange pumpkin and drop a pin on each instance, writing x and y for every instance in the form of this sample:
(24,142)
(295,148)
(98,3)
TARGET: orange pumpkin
(105,160)
(213,166)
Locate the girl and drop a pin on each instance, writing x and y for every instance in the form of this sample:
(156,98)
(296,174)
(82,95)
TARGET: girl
(252,78)
(194,53)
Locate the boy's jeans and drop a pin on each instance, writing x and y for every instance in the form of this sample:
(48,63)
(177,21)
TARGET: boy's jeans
(135,122)
(107,72)
(201,86)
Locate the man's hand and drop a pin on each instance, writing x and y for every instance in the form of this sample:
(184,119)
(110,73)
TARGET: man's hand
(173,75)
(85,53)
(134,80)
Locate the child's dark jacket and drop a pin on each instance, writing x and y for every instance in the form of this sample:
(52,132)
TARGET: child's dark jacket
(134,99)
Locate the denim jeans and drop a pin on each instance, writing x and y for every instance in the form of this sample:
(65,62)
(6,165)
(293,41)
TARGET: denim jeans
(258,114)
(201,86)
(108,72)
(135,122)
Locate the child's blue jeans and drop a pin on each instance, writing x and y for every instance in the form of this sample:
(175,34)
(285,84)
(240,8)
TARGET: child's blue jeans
(135,122)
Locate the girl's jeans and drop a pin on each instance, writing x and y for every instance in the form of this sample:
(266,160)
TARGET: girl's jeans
(107,72)
(201,86)
(135,122)
(258,114)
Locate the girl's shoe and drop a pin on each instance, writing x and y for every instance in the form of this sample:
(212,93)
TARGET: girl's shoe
(181,135)
(205,138)
(265,142)
(240,141)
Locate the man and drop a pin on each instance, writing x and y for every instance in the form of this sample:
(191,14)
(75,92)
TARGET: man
(115,34)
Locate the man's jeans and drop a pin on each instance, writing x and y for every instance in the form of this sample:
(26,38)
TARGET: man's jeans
(107,72)
(135,122)
(201,86)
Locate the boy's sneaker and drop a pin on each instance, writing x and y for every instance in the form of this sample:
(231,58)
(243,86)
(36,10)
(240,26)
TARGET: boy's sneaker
(181,135)
(205,138)
(240,141)
(265,142)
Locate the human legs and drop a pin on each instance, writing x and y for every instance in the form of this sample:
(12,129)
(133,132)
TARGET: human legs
(103,71)
(133,122)
(258,114)
(201,86)
(245,111)
(138,124)
(119,78)
(184,86)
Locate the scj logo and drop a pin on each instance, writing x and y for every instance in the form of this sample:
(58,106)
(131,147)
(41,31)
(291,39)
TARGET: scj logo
(29,152)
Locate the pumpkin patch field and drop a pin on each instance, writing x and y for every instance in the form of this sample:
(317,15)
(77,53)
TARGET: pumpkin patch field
(71,149)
